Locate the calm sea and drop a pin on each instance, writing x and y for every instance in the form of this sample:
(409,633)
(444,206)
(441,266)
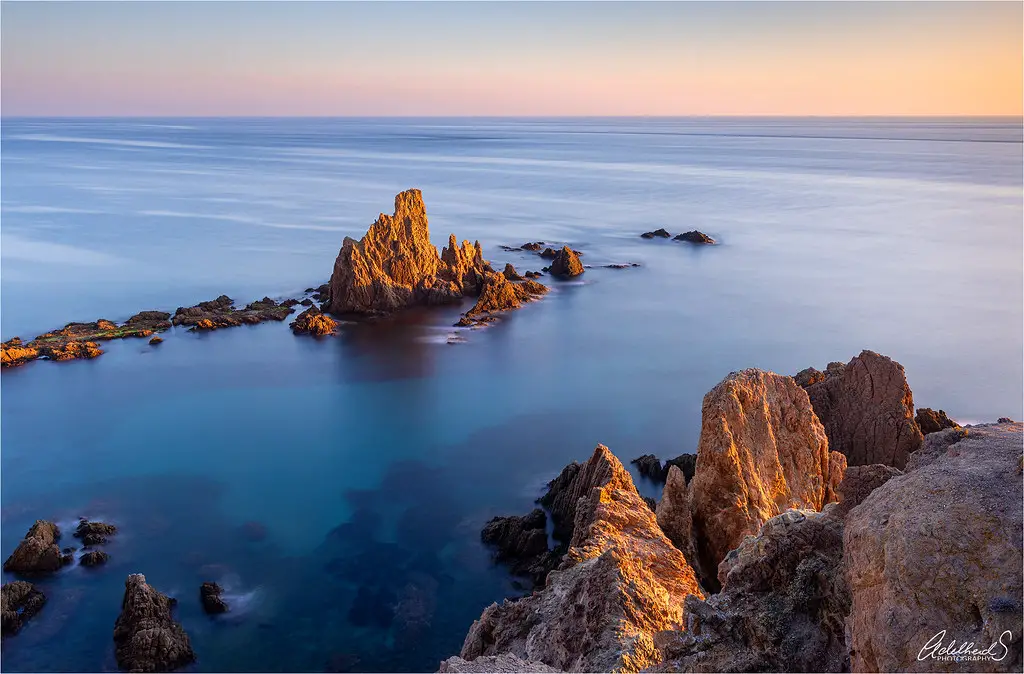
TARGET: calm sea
(371,460)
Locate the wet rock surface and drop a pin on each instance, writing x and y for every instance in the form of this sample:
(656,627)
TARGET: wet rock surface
(566,263)
(867,409)
(38,552)
(940,548)
(620,582)
(210,598)
(313,322)
(221,313)
(146,637)
(19,602)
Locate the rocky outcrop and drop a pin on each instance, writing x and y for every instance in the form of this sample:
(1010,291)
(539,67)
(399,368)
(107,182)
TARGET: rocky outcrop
(522,542)
(686,462)
(19,601)
(933,557)
(395,265)
(38,552)
(782,605)
(694,236)
(313,322)
(94,533)
(511,274)
(13,352)
(661,233)
(566,263)
(762,451)
(221,313)
(494,664)
(930,421)
(620,582)
(859,482)
(867,409)
(500,294)
(94,558)
(649,466)
(673,513)
(146,637)
(210,598)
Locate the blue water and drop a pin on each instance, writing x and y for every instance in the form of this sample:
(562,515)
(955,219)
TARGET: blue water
(373,458)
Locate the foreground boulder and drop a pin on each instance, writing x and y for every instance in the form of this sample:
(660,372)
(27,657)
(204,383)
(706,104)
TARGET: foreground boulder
(934,557)
(146,637)
(395,265)
(620,583)
(762,451)
(867,409)
(930,421)
(566,263)
(19,601)
(781,609)
(313,322)
(38,552)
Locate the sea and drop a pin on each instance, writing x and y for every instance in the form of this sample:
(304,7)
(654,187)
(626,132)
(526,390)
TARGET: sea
(336,487)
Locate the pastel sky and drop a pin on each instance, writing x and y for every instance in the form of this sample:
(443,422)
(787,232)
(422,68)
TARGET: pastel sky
(489,58)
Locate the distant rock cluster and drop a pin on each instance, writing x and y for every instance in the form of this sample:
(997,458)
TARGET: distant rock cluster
(692,236)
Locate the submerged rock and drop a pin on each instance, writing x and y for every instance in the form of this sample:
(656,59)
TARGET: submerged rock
(38,552)
(939,549)
(694,237)
(762,451)
(661,233)
(313,322)
(94,558)
(146,637)
(19,602)
(221,313)
(930,421)
(210,597)
(867,410)
(782,605)
(566,263)
(620,582)
(395,266)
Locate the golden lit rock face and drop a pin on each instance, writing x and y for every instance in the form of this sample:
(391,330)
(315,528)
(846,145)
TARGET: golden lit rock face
(313,322)
(762,451)
(619,584)
(395,266)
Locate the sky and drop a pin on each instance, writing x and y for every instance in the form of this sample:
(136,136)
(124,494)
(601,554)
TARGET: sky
(515,59)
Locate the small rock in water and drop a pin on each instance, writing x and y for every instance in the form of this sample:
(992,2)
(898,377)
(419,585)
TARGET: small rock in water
(94,558)
(156,340)
(38,552)
(566,263)
(94,533)
(535,247)
(694,237)
(210,596)
(650,467)
(661,232)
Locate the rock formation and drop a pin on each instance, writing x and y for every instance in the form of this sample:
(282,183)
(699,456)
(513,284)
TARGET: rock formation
(146,637)
(156,339)
(221,313)
(94,533)
(662,233)
(859,482)
(19,601)
(940,549)
(78,340)
(494,664)
(313,322)
(930,421)
(867,409)
(94,558)
(620,582)
(650,466)
(396,266)
(694,237)
(210,597)
(762,451)
(500,294)
(511,274)
(522,542)
(566,263)
(38,552)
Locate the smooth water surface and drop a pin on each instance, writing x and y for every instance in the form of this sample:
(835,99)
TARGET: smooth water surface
(337,487)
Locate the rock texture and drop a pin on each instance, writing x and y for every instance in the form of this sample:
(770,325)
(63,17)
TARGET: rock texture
(620,582)
(930,421)
(867,410)
(210,597)
(396,266)
(494,664)
(94,558)
(566,263)
(694,236)
(762,451)
(782,605)
(38,552)
(859,482)
(499,294)
(522,542)
(221,313)
(19,601)
(313,322)
(940,548)
(78,340)
(146,637)
(94,533)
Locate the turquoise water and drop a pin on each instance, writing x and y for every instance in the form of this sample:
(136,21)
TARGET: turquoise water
(372,459)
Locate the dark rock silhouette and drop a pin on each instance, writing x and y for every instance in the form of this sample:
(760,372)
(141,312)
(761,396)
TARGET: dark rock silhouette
(210,597)
(146,637)
(660,233)
(930,421)
(19,601)
(694,237)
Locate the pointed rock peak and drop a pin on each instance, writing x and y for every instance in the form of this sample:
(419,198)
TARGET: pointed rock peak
(566,263)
